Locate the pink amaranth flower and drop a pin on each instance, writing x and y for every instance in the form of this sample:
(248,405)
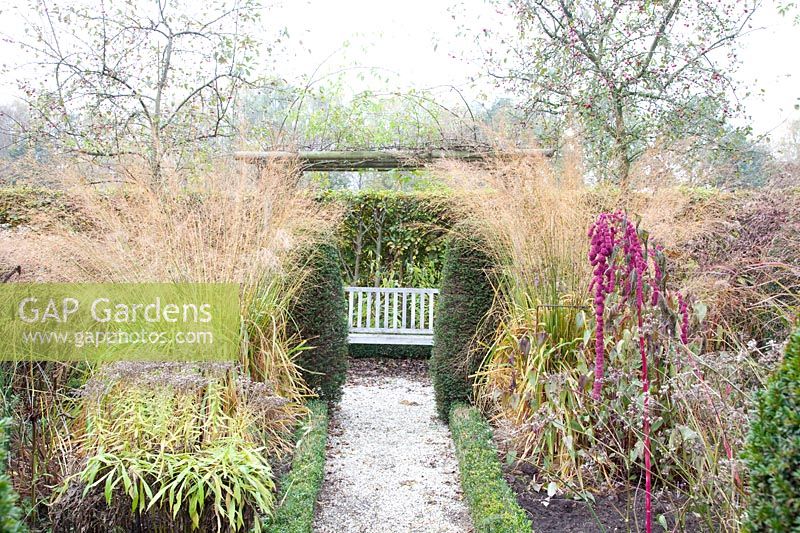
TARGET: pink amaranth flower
(602,236)
(634,268)
(658,276)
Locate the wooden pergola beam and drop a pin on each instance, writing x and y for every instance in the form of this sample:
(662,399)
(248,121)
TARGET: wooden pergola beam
(380,159)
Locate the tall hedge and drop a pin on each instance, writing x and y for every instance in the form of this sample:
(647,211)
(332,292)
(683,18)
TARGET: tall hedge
(320,313)
(10,513)
(464,302)
(391,236)
(772,453)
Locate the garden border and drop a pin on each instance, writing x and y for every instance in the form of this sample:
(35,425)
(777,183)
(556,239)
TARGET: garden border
(492,504)
(300,486)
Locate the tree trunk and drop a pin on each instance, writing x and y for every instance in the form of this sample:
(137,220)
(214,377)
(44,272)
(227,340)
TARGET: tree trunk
(379,216)
(621,142)
(357,250)
(155,123)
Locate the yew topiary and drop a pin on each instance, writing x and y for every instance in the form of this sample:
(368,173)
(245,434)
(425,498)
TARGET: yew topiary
(320,313)
(464,304)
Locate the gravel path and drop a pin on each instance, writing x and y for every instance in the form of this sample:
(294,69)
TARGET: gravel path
(390,462)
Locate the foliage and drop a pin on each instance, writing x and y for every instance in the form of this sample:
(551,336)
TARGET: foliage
(630,74)
(659,396)
(10,513)
(392,351)
(742,258)
(300,486)
(323,113)
(392,239)
(772,453)
(229,226)
(152,81)
(461,318)
(320,314)
(176,234)
(727,250)
(492,504)
(549,377)
(35,206)
(271,345)
(190,441)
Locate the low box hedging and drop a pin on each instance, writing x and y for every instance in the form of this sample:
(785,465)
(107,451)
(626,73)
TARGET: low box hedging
(772,453)
(320,313)
(390,351)
(299,488)
(465,299)
(492,504)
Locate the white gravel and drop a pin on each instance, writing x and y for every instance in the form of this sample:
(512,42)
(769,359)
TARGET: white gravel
(390,462)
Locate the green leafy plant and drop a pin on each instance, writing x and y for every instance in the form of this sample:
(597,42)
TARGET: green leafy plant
(10,513)
(392,238)
(178,446)
(772,453)
(230,478)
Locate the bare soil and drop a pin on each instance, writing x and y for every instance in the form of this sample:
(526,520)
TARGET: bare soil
(622,511)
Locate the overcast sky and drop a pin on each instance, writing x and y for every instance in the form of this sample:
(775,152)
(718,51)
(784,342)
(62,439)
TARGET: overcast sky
(416,43)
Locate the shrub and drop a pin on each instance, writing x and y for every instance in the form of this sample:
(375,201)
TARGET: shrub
(391,351)
(772,453)
(464,302)
(320,313)
(493,505)
(38,207)
(299,488)
(10,514)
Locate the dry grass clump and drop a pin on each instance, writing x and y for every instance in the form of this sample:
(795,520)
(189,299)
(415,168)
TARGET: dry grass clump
(231,224)
(536,227)
(737,252)
(535,222)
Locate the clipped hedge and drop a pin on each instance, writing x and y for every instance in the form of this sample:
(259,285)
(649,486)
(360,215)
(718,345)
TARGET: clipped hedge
(299,488)
(465,300)
(395,237)
(10,514)
(492,504)
(772,453)
(320,313)
(390,351)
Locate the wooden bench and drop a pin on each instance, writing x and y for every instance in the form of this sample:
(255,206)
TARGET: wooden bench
(390,316)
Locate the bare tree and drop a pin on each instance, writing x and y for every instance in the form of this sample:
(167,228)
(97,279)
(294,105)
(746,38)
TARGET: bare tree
(631,73)
(148,79)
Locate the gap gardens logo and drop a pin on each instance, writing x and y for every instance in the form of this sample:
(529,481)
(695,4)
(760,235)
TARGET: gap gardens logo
(127,321)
